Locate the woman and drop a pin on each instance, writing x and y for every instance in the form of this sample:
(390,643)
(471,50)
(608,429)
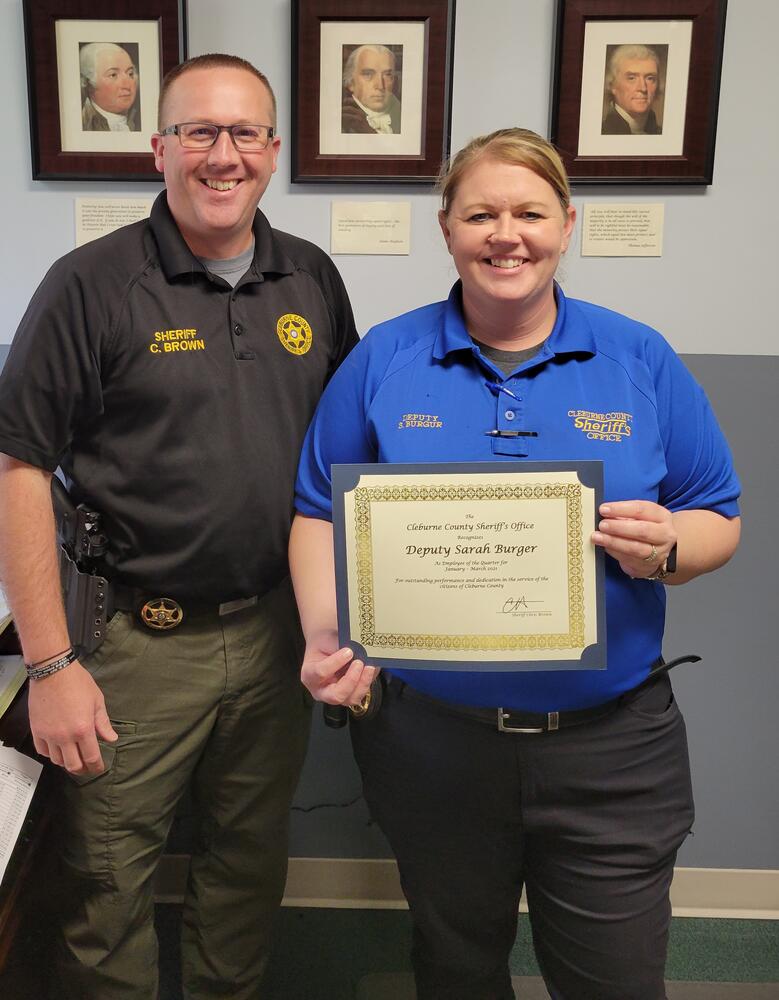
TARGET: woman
(588,817)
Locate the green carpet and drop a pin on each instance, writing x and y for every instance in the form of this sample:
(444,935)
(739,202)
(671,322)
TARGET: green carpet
(334,950)
(400,986)
(333,954)
(715,951)
(721,951)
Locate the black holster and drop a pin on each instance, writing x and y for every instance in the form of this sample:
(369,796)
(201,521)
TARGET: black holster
(86,594)
(88,604)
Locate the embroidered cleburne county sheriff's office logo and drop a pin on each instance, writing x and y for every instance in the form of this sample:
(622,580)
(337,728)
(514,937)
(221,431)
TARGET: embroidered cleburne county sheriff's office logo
(294,333)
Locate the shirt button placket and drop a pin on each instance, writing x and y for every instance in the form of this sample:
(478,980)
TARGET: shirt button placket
(238,332)
(510,417)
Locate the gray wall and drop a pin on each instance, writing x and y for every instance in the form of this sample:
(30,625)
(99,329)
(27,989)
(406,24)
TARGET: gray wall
(707,294)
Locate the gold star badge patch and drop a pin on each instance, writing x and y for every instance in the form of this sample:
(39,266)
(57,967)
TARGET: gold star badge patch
(294,333)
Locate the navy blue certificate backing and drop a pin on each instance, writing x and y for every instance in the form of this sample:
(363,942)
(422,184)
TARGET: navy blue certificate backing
(346,477)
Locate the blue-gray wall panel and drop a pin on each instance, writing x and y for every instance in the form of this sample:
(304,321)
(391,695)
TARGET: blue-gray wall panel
(730,699)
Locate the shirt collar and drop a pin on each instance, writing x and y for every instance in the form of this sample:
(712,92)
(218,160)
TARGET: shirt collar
(176,258)
(379,120)
(453,336)
(633,124)
(571,333)
(111,117)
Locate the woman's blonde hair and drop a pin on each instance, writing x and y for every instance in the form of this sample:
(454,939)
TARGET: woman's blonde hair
(519,146)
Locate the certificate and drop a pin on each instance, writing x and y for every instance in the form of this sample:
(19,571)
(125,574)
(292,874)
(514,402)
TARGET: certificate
(470,566)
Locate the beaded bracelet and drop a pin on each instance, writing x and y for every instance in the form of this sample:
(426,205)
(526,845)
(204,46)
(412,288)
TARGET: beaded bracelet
(35,673)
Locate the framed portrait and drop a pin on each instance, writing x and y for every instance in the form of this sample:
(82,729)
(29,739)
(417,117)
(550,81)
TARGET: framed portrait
(636,89)
(94,69)
(371,89)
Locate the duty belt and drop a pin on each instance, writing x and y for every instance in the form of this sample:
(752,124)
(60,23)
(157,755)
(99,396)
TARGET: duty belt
(513,720)
(162,614)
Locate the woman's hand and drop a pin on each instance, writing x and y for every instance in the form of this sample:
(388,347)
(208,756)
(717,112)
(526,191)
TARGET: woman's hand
(333,675)
(639,534)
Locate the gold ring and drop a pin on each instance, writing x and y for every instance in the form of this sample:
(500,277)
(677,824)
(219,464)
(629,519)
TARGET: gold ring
(652,557)
(362,706)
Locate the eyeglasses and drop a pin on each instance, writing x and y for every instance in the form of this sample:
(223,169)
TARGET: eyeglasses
(201,135)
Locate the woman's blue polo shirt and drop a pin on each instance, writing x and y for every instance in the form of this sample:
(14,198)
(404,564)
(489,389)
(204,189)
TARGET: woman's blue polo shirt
(602,387)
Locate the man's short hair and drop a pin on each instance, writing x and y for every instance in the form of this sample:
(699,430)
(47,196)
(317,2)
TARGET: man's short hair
(87,60)
(351,63)
(211,60)
(623,52)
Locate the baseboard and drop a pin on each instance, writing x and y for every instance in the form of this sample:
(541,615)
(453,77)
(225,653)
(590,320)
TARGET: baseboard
(355,883)
(737,893)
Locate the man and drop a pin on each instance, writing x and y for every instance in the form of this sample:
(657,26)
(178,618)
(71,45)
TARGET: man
(369,104)
(632,81)
(110,80)
(171,369)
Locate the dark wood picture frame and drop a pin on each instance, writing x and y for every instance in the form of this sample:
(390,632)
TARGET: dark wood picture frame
(311,165)
(694,162)
(49,160)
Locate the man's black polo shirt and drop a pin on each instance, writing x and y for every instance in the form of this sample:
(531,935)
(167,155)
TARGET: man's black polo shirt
(176,404)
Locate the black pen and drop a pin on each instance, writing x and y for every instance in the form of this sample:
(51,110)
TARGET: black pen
(512,434)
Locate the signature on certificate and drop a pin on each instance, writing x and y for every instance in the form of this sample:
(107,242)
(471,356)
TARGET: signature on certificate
(515,605)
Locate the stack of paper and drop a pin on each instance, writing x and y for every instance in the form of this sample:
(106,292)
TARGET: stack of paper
(12,676)
(18,778)
(12,672)
(5,613)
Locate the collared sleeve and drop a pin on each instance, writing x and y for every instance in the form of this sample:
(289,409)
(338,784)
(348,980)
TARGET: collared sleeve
(50,384)
(700,472)
(339,433)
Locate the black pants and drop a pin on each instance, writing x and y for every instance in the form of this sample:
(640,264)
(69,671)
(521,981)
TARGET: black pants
(588,819)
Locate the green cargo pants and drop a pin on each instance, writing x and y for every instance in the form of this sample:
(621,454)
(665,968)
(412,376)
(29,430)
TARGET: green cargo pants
(216,701)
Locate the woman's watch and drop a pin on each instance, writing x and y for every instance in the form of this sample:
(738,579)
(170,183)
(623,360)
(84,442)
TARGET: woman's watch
(667,566)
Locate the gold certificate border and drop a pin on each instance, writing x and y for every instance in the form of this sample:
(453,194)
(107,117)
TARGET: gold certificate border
(365,497)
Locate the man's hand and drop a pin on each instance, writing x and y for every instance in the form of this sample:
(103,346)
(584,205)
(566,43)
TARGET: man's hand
(333,675)
(639,534)
(67,711)
(67,714)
